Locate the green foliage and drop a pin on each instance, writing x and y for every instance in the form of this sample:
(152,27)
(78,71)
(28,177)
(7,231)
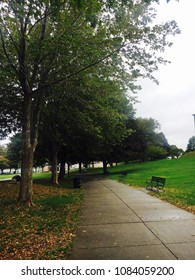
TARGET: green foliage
(145,140)
(4,163)
(89,116)
(191,144)
(62,35)
(174,151)
(155,152)
(10,106)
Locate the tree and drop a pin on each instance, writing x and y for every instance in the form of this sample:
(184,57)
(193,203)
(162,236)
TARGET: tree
(95,116)
(174,151)
(48,42)
(191,144)
(146,135)
(31,34)
(155,152)
(113,129)
(145,140)
(4,163)
(162,141)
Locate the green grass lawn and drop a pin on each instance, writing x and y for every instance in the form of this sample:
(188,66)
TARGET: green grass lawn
(179,174)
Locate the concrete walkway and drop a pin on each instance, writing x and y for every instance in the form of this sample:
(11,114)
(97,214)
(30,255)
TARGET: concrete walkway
(120,222)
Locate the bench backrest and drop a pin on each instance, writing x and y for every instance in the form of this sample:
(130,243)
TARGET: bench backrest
(158,179)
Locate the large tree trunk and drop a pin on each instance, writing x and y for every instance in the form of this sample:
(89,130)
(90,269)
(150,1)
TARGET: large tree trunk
(29,142)
(80,166)
(62,169)
(105,170)
(26,185)
(30,78)
(68,169)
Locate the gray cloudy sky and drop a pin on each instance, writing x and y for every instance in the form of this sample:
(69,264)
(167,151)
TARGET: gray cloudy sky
(172,102)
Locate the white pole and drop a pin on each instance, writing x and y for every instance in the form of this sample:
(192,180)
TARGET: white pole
(194,122)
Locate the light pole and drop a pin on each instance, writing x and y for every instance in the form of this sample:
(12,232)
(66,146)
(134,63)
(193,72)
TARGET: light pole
(194,121)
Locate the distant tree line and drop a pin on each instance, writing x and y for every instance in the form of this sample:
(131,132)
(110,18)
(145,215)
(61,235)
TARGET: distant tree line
(143,141)
(191,144)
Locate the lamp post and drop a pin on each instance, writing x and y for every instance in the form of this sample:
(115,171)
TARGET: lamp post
(194,121)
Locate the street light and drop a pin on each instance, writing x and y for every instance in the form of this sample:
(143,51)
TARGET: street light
(194,121)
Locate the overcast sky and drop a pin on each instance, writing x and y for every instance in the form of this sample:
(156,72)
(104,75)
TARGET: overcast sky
(172,102)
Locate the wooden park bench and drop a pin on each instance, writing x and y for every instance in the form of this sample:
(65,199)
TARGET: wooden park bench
(155,182)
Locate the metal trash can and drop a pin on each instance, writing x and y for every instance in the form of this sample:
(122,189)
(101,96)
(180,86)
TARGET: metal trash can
(76,182)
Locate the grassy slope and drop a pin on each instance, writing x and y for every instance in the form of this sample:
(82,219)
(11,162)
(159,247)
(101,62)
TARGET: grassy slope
(179,174)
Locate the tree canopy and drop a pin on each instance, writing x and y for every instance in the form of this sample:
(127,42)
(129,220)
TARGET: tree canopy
(191,144)
(50,45)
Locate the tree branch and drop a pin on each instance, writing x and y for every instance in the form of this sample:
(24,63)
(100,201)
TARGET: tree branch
(37,58)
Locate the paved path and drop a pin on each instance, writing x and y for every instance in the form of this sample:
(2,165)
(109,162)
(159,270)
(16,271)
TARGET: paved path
(120,222)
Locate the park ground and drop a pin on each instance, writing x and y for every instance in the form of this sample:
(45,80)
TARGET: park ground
(47,230)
